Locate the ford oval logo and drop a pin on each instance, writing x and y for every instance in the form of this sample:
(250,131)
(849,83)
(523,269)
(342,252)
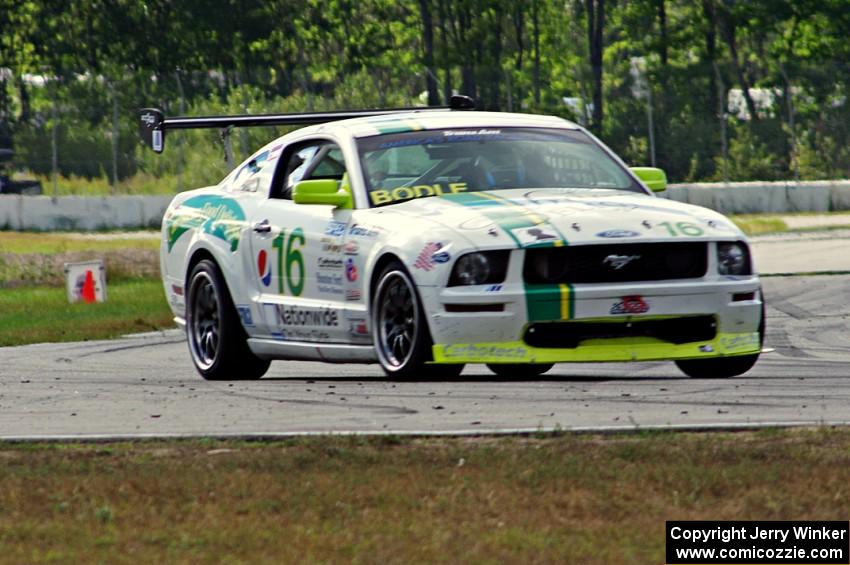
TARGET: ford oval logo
(617,233)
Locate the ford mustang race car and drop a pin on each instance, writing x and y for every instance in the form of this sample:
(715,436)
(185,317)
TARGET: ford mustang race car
(427,239)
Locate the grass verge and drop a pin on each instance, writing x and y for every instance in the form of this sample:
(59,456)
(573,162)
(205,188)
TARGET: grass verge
(68,242)
(561,499)
(756,224)
(42,314)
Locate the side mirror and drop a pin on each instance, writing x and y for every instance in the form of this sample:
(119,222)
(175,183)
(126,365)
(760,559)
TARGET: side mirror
(321,191)
(653,178)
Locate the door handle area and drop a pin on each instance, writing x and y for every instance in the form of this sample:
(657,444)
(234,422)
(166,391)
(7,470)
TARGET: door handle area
(263,227)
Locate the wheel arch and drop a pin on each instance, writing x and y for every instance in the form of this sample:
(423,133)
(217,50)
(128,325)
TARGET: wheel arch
(197,256)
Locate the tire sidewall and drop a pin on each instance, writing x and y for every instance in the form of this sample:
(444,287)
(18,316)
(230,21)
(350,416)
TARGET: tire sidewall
(420,348)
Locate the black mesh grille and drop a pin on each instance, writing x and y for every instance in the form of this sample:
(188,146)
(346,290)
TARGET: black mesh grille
(570,334)
(624,262)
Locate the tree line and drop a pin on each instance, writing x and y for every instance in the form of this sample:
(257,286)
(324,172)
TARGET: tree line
(706,89)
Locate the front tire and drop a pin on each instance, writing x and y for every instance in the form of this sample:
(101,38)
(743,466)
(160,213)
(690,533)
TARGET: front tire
(724,367)
(519,370)
(217,340)
(400,331)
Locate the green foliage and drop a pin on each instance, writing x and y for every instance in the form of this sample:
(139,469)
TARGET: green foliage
(195,57)
(750,159)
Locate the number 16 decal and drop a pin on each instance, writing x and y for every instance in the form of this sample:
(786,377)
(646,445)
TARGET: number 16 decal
(293,258)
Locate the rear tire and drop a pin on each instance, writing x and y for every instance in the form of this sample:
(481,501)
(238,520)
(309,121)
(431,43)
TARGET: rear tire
(519,370)
(217,340)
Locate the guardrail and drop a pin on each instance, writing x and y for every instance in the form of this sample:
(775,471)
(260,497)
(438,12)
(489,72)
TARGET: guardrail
(764,197)
(81,213)
(85,213)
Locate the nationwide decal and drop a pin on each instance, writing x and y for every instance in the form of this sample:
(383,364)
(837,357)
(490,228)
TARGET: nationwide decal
(613,234)
(306,316)
(350,270)
(218,216)
(426,259)
(472,351)
(493,288)
(264,267)
(245,316)
(630,305)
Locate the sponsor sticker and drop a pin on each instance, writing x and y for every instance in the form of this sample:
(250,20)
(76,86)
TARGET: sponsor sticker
(612,234)
(358,326)
(330,245)
(747,341)
(493,288)
(401,193)
(350,270)
(305,316)
(630,305)
(156,140)
(264,267)
(542,233)
(472,351)
(329,283)
(335,229)
(245,316)
(361,231)
(353,294)
(351,248)
(427,259)
(329,263)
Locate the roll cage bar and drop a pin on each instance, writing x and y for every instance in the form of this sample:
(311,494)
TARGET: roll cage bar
(153,124)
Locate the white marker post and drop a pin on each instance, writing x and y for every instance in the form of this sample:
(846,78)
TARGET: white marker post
(85,281)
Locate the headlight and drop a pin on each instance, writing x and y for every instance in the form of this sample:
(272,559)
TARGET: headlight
(733,259)
(481,267)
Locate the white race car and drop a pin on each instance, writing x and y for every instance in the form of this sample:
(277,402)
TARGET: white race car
(427,239)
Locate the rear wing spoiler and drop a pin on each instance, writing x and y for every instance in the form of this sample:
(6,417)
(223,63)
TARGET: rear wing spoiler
(153,124)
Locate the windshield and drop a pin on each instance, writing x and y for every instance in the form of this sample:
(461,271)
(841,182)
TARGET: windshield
(416,164)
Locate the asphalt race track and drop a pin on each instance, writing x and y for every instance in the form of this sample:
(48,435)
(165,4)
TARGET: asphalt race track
(146,386)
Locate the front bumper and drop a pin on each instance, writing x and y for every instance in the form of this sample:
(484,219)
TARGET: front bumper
(734,307)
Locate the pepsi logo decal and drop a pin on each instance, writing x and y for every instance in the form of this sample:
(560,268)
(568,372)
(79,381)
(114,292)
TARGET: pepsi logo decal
(264,268)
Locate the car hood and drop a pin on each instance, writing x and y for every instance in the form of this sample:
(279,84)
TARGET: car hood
(529,217)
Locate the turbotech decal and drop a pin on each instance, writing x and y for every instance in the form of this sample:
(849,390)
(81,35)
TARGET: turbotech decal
(218,216)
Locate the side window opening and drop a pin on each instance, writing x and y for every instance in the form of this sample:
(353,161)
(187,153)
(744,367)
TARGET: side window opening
(308,160)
